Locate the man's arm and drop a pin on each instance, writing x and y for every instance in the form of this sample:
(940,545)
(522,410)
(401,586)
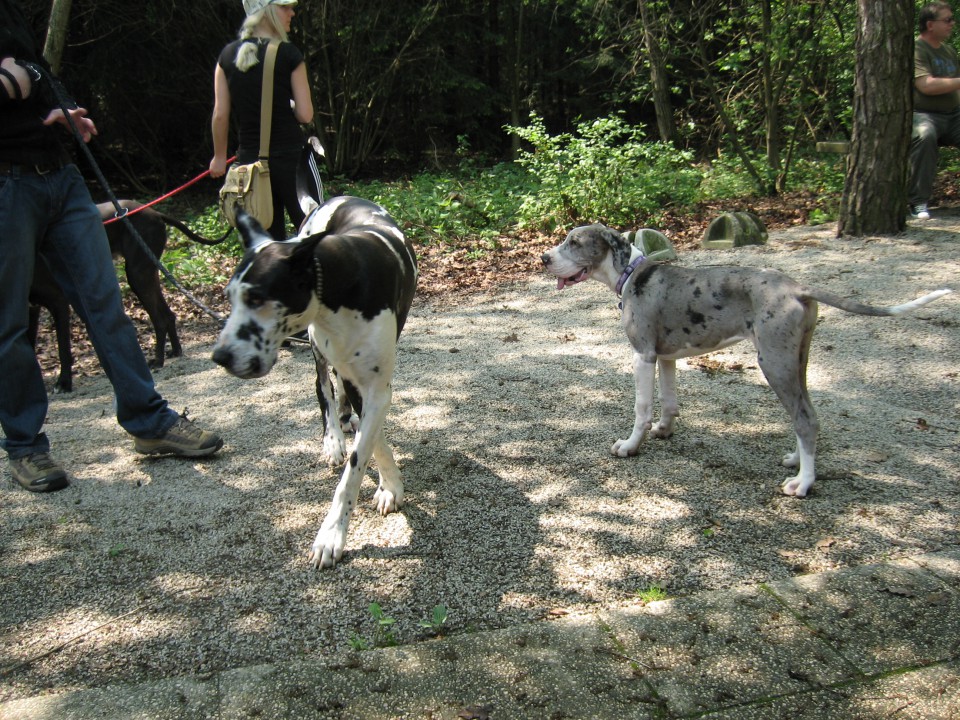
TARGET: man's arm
(14,81)
(18,84)
(929,85)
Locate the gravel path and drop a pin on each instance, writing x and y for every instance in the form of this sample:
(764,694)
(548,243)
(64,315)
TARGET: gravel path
(505,407)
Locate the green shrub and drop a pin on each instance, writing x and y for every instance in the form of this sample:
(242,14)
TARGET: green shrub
(605,172)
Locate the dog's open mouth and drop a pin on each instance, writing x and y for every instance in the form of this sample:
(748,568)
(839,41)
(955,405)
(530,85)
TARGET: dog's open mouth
(572,280)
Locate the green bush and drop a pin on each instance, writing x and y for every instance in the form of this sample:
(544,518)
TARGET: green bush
(605,172)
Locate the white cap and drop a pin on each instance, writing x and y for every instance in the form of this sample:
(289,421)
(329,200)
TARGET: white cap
(254,6)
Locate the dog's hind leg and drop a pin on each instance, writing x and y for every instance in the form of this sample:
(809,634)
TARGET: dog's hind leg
(787,375)
(349,420)
(389,495)
(644,374)
(669,406)
(334,444)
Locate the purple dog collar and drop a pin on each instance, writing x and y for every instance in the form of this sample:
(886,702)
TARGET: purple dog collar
(627,272)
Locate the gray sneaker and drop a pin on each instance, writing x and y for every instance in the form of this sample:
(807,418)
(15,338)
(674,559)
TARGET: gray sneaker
(38,473)
(184,439)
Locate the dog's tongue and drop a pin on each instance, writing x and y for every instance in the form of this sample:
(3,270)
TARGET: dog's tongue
(572,280)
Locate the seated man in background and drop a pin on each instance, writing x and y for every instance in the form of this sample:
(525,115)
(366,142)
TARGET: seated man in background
(936,102)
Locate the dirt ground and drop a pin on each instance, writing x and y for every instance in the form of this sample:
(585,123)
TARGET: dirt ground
(506,403)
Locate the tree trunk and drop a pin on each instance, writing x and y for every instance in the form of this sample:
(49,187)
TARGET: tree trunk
(874,195)
(56,33)
(658,75)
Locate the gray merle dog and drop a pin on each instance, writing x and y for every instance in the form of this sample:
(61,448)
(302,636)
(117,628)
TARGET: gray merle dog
(349,277)
(672,312)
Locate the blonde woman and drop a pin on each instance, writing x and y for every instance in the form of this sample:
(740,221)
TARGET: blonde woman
(237,81)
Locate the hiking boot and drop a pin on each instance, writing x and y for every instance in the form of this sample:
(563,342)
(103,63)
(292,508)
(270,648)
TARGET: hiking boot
(38,473)
(184,439)
(920,212)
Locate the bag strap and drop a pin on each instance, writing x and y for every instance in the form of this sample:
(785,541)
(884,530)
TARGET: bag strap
(266,98)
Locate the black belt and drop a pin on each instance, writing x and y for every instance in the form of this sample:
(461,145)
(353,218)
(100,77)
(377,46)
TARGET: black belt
(38,168)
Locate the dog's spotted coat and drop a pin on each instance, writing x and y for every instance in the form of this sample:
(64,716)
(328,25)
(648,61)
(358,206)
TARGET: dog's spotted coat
(671,312)
(349,277)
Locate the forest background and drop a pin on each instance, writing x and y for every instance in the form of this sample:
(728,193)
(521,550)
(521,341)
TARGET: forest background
(616,110)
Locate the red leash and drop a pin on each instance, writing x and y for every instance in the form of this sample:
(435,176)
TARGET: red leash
(199,177)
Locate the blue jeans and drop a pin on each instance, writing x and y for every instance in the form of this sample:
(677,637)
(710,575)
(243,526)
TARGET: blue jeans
(54,215)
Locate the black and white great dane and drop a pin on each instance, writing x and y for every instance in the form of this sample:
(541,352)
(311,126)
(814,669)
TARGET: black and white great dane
(671,312)
(349,276)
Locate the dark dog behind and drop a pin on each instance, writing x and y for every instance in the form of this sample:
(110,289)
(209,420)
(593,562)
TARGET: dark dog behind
(142,275)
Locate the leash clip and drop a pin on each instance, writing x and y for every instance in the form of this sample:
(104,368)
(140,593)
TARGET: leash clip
(122,212)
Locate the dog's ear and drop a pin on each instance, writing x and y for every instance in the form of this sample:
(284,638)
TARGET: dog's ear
(618,245)
(308,270)
(251,231)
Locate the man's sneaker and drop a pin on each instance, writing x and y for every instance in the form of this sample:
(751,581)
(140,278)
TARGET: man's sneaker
(184,439)
(38,473)
(920,212)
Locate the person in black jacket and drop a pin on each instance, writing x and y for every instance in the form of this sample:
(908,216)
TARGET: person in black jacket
(46,209)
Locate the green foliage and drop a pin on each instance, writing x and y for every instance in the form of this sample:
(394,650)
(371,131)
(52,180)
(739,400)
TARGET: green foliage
(651,593)
(199,264)
(436,620)
(604,172)
(383,634)
(469,203)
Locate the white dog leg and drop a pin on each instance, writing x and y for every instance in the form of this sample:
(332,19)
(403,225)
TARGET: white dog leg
(669,406)
(334,444)
(800,484)
(389,495)
(331,538)
(644,374)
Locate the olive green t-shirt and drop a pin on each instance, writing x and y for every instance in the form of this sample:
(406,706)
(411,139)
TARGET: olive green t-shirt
(935,62)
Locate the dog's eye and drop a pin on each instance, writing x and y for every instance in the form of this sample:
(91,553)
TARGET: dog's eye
(575,243)
(254,299)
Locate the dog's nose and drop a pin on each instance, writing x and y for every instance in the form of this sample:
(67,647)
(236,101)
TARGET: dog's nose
(545,259)
(222,356)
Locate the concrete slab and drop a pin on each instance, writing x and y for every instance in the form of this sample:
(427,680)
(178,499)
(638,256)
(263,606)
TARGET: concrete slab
(724,649)
(931,693)
(183,698)
(565,668)
(881,618)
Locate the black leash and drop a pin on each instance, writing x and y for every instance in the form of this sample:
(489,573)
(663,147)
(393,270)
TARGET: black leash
(121,212)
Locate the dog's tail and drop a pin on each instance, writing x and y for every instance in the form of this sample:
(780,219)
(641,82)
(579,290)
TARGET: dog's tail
(173,222)
(852,306)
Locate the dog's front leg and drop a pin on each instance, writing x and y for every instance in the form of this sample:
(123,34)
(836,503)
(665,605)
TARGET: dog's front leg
(669,406)
(644,374)
(332,537)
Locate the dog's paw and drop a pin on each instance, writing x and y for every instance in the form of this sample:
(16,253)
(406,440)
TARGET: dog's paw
(328,547)
(797,486)
(662,430)
(791,459)
(625,448)
(387,501)
(349,423)
(335,450)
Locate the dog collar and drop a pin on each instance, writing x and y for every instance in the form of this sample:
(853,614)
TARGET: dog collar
(628,271)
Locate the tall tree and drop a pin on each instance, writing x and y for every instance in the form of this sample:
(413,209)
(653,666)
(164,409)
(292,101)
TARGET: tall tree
(57,33)
(659,78)
(874,195)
